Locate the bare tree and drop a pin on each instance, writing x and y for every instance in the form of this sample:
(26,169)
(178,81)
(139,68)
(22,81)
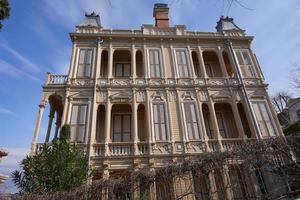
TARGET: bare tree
(280,103)
(296,76)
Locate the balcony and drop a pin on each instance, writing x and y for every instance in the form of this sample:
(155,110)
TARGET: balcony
(56,79)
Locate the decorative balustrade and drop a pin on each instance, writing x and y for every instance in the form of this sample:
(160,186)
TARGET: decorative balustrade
(213,145)
(143,148)
(231,143)
(99,149)
(56,79)
(120,149)
(169,82)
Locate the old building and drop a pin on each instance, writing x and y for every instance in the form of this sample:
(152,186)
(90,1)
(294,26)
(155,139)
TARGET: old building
(148,97)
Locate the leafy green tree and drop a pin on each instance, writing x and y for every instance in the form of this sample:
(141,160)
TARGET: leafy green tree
(4,11)
(55,167)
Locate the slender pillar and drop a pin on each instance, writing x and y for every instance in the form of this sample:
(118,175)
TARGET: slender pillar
(214,122)
(37,128)
(191,62)
(72,64)
(201,63)
(133,60)
(58,124)
(51,116)
(222,63)
(65,109)
(110,61)
(134,124)
(94,105)
(147,73)
(107,126)
(237,119)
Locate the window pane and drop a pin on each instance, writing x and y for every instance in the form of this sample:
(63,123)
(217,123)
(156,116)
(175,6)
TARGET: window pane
(73,132)
(118,70)
(80,134)
(196,131)
(126,123)
(126,70)
(154,61)
(81,70)
(74,114)
(126,137)
(190,130)
(246,57)
(209,71)
(89,55)
(82,117)
(155,113)
(117,124)
(162,113)
(157,132)
(163,132)
(239,57)
(82,56)
(117,137)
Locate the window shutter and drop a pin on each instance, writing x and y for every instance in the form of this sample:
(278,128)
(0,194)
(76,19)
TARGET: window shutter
(80,70)
(74,115)
(154,60)
(88,62)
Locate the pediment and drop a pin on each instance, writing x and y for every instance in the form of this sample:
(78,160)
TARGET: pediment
(121,97)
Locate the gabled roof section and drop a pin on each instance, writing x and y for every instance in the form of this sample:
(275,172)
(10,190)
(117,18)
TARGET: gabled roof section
(226,24)
(91,20)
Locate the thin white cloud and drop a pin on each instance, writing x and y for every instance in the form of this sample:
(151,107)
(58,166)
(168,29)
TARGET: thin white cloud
(10,70)
(28,65)
(6,111)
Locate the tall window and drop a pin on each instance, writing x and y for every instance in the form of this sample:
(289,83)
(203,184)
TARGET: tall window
(121,128)
(245,63)
(155,63)
(85,63)
(122,70)
(191,121)
(159,121)
(221,125)
(78,122)
(182,63)
(263,118)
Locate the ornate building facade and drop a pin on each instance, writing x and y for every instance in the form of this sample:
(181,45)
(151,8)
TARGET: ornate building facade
(145,98)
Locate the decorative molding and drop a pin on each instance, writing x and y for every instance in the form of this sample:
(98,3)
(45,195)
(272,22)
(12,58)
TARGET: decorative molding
(121,97)
(82,82)
(141,96)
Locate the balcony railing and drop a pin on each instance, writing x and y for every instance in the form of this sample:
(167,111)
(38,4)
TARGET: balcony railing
(56,79)
(120,149)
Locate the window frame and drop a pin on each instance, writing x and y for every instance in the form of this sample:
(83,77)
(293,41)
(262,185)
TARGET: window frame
(161,66)
(197,120)
(166,124)
(249,68)
(84,65)
(188,63)
(268,112)
(77,125)
(122,127)
(123,64)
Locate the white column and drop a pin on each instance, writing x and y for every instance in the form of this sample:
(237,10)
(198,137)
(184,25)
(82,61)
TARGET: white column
(94,105)
(201,63)
(191,62)
(72,64)
(145,62)
(51,116)
(110,61)
(222,63)
(65,110)
(133,60)
(134,123)
(237,119)
(107,126)
(37,128)
(214,122)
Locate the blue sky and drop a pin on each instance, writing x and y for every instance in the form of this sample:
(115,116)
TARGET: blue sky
(35,40)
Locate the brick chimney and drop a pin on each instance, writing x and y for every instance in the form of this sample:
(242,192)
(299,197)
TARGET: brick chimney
(161,15)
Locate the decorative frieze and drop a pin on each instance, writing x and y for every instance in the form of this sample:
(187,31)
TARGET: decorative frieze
(82,82)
